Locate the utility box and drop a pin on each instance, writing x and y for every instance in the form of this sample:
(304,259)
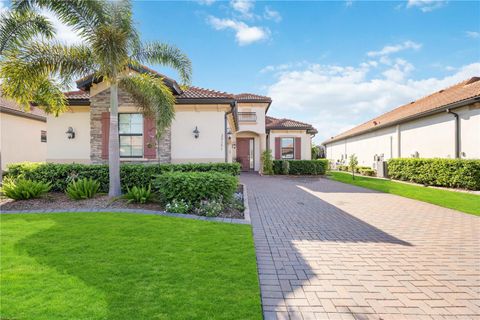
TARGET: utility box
(382,169)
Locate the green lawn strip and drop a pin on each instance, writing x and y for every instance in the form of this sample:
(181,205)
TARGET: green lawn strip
(126,266)
(469,203)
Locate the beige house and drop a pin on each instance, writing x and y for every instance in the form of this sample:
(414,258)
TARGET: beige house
(23,135)
(209,126)
(445,124)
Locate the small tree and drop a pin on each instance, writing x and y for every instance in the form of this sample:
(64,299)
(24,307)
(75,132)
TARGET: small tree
(267,162)
(352,164)
(315,152)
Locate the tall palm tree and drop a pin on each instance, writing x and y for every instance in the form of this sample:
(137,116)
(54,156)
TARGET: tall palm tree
(35,70)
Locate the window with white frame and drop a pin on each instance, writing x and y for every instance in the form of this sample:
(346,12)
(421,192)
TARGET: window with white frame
(287,148)
(130,129)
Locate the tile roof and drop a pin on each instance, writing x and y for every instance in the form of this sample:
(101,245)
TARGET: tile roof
(199,93)
(252,97)
(464,90)
(12,105)
(279,124)
(77,95)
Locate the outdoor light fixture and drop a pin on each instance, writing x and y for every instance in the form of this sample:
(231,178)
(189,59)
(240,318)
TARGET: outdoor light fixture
(229,134)
(196,133)
(70,133)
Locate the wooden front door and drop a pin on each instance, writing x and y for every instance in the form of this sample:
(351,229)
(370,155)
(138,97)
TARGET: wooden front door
(245,153)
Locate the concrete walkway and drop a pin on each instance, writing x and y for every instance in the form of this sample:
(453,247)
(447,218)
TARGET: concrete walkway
(328,250)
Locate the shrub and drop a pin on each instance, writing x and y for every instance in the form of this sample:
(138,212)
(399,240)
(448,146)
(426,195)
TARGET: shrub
(209,208)
(302,167)
(194,187)
(138,195)
(366,171)
(23,189)
(453,173)
(178,206)
(285,167)
(82,189)
(267,163)
(131,174)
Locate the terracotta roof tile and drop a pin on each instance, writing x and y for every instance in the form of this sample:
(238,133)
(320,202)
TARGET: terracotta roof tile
(279,124)
(252,97)
(77,95)
(198,93)
(464,90)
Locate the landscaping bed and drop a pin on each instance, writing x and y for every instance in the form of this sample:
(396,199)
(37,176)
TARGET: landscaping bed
(59,201)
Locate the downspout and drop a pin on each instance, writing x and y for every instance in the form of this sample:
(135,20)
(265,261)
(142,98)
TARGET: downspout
(233,105)
(457,133)
(225,134)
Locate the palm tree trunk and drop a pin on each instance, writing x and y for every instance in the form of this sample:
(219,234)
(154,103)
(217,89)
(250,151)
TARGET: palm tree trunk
(114,145)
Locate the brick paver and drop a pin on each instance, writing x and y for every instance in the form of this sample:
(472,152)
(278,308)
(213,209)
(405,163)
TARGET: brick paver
(327,250)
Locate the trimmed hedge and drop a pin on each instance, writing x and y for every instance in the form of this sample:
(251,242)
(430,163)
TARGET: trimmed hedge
(194,187)
(452,173)
(302,167)
(60,175)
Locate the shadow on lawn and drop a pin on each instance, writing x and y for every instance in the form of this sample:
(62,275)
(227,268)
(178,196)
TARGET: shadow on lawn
(154,267)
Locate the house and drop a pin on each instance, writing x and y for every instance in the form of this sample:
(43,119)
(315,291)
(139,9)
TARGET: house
(209,126)
(23,135)
(445,124)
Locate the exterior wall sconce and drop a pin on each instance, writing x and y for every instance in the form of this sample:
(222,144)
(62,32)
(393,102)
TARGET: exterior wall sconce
(196,133)
(229,135)
(70,133)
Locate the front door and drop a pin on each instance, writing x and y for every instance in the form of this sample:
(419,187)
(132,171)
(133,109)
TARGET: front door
(245,153)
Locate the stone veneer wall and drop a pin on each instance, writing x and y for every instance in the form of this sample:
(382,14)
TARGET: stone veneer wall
(101,103)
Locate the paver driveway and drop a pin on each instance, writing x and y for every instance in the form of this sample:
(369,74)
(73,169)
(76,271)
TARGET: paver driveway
(328,250)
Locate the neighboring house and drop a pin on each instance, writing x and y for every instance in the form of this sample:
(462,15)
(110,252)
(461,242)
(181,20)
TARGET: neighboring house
(445,124)
(23,135)
(209,126)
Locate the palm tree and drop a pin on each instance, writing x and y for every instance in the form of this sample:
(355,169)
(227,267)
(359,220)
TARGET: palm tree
(36,70)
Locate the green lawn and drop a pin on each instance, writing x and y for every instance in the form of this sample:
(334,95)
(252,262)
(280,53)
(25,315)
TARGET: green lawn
(126,266)
(465,202)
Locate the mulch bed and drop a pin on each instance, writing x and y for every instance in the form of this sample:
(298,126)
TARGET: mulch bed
(58,201)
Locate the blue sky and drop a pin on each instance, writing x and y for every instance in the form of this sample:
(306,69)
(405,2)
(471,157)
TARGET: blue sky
(334,64)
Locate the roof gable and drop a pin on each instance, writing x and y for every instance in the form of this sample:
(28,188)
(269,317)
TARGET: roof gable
(272,123)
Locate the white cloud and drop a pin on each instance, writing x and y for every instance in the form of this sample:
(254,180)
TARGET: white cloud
(3,6)
(243,6)
(244,34)
(473,34)
(271,14)
(64,33)
(348,3)
(395,48)
(335,98)
(426,5)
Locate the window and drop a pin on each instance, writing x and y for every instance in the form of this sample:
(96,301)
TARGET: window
(43,136)
(130,128)
(287,148)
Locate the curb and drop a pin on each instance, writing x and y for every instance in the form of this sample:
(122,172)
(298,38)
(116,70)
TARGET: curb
(136,211)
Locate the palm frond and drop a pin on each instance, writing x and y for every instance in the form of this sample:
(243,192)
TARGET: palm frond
(82,15)
(18,27)
(153,98)
(39,58)
(165,54)
(42,91)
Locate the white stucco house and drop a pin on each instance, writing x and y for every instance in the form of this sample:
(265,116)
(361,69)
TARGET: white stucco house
(445,124)
(23,134)
(209,126)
